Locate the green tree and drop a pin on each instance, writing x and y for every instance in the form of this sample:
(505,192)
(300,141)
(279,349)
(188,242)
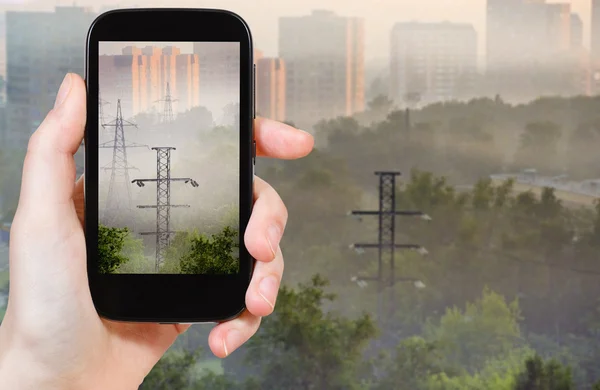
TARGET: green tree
(303,347)
(544,375)
(11,164)
(212,381)
(211,255)
(110,248)
(485,329)
(138,263)
(377,109)
(415,361)
(334,130)
(539,146)
(582,144)
(171,372)
(496,374)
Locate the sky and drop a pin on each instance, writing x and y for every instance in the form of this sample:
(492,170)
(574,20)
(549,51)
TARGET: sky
(379,15)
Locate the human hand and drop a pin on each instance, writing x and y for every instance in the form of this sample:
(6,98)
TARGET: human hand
(51,336)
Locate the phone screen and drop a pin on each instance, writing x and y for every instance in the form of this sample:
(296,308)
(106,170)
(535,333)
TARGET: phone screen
(169,157)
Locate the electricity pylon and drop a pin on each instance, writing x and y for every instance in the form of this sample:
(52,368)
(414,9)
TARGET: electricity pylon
(118,209)
(163,205)
(167,116)
(387,239)
(101,104)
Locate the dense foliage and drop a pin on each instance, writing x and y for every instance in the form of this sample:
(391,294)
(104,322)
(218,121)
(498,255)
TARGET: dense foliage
(303,346)
(512,276)
(194,253)
(189,252)
(110,245)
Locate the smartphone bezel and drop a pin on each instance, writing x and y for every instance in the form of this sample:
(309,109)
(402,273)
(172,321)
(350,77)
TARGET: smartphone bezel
(160,297)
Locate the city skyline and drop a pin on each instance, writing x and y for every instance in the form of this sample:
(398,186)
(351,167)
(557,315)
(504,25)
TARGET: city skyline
(379,19)
(116,47)
(483,271)
(149,73)
(325,73)
(437,61)
(206,74)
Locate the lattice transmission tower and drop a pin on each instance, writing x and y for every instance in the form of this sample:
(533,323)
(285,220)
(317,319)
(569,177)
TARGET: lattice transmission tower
(163,204)
(386,244)
(167,115)
(118,210)
(101,104)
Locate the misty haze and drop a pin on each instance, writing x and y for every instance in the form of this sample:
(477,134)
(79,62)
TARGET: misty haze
(169,158)
(482,122)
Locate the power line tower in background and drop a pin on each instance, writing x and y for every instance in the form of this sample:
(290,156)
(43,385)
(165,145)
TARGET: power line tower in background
(118,209)
(411,99)
(167,115)
(386,244)
(163,201)
(101,104)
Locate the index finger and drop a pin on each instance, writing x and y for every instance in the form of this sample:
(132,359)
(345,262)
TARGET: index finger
(278,140)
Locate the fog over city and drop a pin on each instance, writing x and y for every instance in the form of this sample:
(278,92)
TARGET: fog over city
(450,204)
(156,93)
(380,15)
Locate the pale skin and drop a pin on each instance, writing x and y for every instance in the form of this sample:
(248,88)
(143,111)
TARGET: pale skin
(51,337)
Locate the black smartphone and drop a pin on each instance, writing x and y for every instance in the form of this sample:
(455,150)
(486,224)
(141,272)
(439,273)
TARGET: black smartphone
(169,164)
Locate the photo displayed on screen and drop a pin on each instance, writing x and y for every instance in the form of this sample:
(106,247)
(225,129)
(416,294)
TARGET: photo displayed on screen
(169,157)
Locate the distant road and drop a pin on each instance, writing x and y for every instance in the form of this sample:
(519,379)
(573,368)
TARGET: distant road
(568,197)
(571,199)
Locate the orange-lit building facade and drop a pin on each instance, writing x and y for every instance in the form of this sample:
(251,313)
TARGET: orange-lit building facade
(258,54)
(559,26)
(324,65)
(270,88)
(139,77)
(182,71)
(219,75)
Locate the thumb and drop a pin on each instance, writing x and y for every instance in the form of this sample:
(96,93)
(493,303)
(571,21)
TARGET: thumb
(49,167)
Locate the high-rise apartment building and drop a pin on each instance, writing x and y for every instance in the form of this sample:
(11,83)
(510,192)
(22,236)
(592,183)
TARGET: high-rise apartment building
(576,31)
(595,33)
(436,61)
(182,73)
(139,76)
(120,79)
(595,47)
(324,59)
(151,89)
(3,43)
(558,28)
(258,54)
(219,76)
(515,32)
(41,47)
(533,49)
(270,88)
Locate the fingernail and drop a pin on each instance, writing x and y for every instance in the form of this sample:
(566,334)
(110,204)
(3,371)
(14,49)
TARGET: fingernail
(273,237)
(63,91)
(305,132)
(268,288)
(233,340)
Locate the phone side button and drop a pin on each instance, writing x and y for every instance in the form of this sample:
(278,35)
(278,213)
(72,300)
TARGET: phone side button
(254,91)
(253,152)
